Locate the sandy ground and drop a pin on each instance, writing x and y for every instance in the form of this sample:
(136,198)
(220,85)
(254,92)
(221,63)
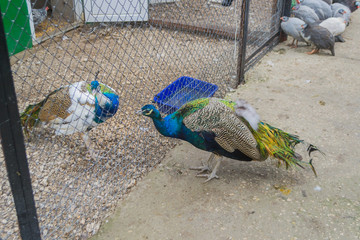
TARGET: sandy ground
(316,97)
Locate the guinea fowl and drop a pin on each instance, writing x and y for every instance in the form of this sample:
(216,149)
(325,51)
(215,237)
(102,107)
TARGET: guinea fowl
(319,36)
(305,13)
(229,129)
(292,26)
(340,10)
(78,107)
(39,15)
(352,4)
(336,26)
(322,9)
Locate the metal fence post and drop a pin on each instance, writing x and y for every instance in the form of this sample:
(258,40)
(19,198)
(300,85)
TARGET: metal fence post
(286,12)
(14,148)
(243,40)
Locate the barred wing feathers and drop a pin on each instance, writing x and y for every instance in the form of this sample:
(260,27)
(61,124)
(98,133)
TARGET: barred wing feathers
(68,109)
(218,116)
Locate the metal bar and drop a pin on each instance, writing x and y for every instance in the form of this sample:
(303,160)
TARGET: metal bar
(14,148)
(262,47)
(285,12)
(251,61)
(242,41)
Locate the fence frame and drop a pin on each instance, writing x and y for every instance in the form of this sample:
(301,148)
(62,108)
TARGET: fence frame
(244,22)
(12,140)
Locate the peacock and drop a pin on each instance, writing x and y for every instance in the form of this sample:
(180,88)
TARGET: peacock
(228,129)
(78,107)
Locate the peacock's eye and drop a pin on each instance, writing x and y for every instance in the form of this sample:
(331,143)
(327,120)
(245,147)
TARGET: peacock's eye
(147,111)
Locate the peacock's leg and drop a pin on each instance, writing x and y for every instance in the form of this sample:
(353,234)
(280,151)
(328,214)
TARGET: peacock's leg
(212,175)
(204,167)
(87,142)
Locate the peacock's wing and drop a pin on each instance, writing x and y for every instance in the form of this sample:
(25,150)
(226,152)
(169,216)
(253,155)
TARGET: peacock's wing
(70,109)
(217,116)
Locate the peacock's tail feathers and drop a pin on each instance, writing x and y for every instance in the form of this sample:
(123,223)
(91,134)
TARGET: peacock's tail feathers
(276,143)
(29,118)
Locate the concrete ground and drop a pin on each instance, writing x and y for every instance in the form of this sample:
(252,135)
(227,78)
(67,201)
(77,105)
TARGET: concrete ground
(316,97)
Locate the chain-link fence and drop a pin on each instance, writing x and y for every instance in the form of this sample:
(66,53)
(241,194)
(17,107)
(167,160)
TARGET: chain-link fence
(137,48)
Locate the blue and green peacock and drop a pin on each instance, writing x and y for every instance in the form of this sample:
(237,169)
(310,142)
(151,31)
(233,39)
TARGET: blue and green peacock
(78,107)
(229,129)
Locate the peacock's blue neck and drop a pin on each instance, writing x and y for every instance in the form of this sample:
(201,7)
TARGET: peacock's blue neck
(106,109)
(172,126)
(168,126)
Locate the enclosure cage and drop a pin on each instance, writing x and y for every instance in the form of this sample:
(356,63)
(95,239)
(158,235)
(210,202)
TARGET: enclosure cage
(136,47)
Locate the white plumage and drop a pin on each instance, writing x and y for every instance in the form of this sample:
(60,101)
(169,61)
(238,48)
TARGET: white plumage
(245,110)
(81,111)
(335,25)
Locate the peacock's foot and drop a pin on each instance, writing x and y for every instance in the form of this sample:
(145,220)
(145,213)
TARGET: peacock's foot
(209,177)
(201,169)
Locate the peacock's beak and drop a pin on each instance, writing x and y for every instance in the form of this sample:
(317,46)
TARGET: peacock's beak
(139,112)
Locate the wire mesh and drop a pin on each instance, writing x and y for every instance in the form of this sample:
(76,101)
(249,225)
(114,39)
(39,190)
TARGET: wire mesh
(139,48)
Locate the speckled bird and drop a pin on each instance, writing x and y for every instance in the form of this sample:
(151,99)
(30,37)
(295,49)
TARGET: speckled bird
(322,9)
(352,4)
(228,129)
(292,26)
(340,10)
(78,107)
(39,15)
(318,36)
(305,13)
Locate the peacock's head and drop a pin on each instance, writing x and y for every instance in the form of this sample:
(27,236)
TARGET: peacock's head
(95,85)
(150,111)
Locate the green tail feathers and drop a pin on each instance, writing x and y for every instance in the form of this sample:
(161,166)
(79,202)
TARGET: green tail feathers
(281,145)
(30,117)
